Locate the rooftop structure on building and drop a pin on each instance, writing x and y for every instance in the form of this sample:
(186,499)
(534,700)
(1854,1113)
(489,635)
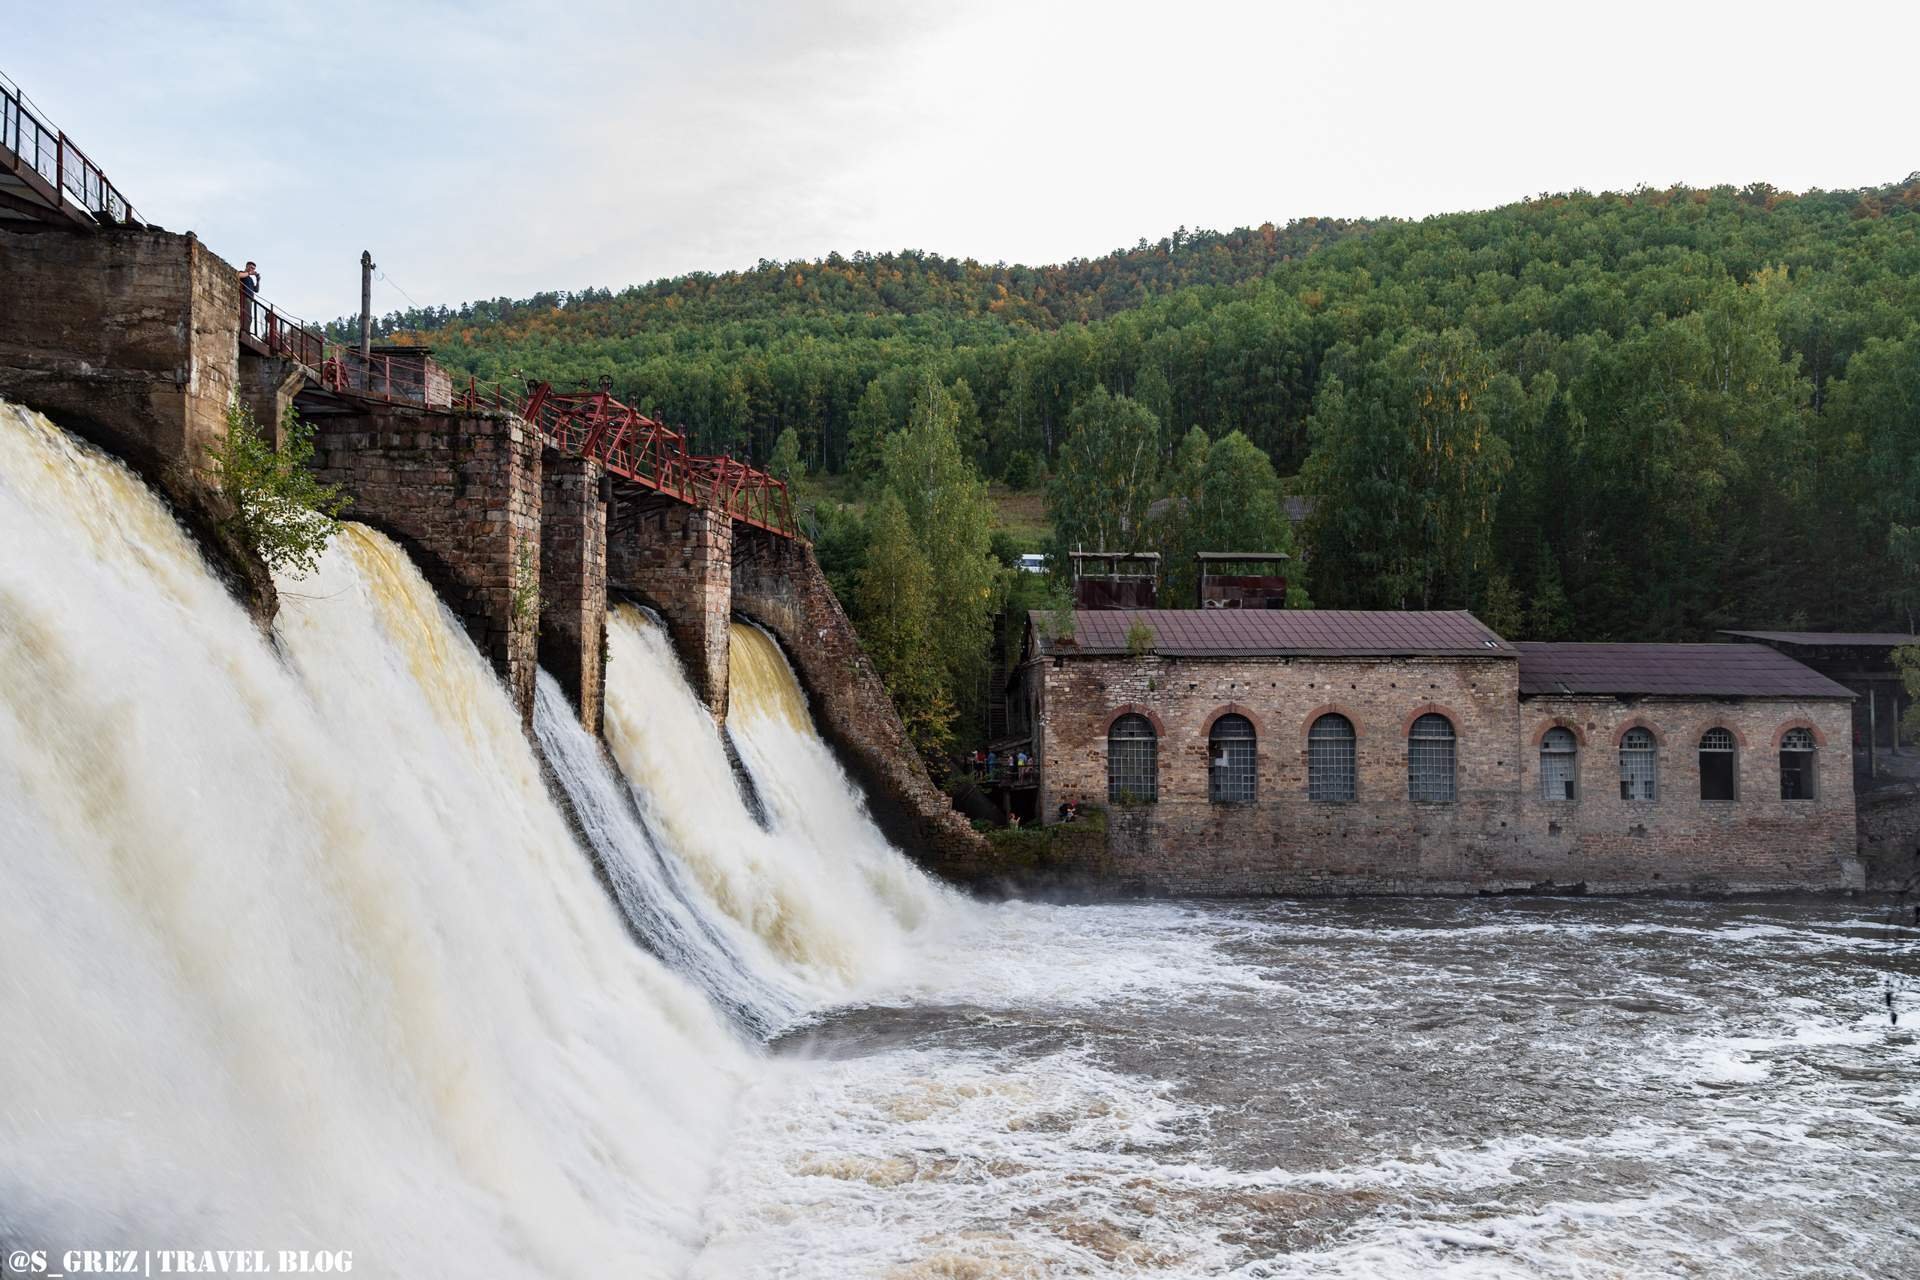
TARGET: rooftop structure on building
(1256,633)
(1240,579)
(1115,579)
(1668,670)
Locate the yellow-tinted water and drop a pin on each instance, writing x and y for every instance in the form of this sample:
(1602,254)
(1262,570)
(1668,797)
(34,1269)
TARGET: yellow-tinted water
(761,683)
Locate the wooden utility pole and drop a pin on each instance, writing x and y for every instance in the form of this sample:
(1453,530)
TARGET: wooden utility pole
(366,303)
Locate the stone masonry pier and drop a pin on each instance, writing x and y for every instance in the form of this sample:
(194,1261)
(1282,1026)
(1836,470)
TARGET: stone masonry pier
(679,560)
(130,338)
(462,493)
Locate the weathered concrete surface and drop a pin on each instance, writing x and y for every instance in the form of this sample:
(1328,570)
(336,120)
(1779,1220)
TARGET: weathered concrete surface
(129,338)
(573,581)
(1888,830)
(266,388)
(462,493)
(679,559)
(778,584)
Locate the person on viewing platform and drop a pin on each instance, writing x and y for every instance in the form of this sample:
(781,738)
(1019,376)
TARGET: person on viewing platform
(249,290)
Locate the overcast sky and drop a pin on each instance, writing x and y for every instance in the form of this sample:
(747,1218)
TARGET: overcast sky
(487,148)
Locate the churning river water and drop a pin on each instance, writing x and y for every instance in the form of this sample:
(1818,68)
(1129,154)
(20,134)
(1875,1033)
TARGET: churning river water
(1382,1088)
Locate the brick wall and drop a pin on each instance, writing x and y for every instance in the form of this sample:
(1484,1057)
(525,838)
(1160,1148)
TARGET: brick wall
(1496,835)
(778,584)
(462,493)
(1756,841)
(679,559)
(573,580)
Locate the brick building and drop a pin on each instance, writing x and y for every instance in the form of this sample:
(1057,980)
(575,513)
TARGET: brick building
(1290,751)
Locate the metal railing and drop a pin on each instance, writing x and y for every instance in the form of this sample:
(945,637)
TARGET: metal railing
(60,164)
(282,334)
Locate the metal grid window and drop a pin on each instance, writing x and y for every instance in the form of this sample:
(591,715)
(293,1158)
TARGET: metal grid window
(1133,762)
(1330,771)
(1796,765)
(1717,773)
(1639,765)
(1230,761)
(1558,754)
(1430,760)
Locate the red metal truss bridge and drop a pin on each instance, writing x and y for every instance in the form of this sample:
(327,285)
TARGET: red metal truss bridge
(644,452)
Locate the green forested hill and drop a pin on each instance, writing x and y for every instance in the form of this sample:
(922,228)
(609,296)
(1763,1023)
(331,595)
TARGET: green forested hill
(1632,415)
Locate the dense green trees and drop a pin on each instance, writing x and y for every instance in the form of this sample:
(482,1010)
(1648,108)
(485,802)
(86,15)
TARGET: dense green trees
(1409,456)
(1106,475)
(1690,408)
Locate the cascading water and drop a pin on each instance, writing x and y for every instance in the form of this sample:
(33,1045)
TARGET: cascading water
(808,797)
(827,914)
(298,951)
(669,912)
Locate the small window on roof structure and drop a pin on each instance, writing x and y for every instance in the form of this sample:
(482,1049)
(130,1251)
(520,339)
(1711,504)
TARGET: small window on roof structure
(1133,761)
(1717,760)
(1330,771)
(1230,761)
(1639,765)
(1796,765)
(1430,760)
(1558,756)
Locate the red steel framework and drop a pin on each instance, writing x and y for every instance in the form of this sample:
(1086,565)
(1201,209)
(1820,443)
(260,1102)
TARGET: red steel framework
(643,451)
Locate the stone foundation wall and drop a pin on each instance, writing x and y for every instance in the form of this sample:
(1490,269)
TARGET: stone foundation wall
(462,492)
(573,581)
(778,584)
(1497,835)
(1887,828)
(679,559)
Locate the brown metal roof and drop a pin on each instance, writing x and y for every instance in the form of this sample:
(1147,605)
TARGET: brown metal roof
(1841,639)
(1675,670)
(1231,633)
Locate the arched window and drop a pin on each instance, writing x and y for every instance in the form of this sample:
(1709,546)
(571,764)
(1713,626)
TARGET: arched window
(1330,759)
(1558,753)
(1133,761)
(1639,766)
(1796,765)
(1230,761)
(1430,760)
(1717,773)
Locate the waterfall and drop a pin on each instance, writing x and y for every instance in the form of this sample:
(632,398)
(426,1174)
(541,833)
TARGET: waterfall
(299,952)
(832,904)
(807,795)
(668,912)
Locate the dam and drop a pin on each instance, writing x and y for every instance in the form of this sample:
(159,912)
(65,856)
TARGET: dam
(391,913)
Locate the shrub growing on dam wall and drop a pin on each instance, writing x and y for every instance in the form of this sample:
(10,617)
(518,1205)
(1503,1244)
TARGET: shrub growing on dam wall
(280,511)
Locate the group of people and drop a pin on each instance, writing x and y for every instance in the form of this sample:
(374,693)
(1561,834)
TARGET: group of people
(993,764)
